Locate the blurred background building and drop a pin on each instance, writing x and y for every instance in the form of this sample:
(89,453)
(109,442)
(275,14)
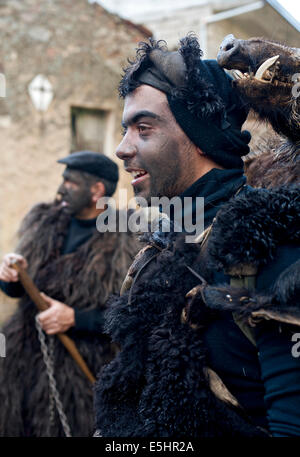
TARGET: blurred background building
(211,20)
(60,64)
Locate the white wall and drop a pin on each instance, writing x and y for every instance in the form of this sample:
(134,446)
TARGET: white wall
(144,11)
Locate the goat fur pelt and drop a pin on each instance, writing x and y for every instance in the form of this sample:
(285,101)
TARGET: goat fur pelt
(83,280)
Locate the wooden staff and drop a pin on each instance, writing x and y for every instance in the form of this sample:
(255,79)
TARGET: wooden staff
(41,304)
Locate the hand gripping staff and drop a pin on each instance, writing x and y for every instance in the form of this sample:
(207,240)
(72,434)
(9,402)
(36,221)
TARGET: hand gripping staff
(40,303)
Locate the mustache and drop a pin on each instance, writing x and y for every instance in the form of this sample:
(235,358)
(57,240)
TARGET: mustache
(62,194)
(129,164)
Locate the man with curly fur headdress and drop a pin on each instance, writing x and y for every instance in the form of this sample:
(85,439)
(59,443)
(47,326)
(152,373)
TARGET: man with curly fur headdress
(78,268)
(190,364)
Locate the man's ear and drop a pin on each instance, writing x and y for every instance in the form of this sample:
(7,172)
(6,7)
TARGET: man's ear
(98,191)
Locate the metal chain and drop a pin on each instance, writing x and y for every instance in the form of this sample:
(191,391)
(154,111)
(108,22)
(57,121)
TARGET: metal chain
(53,392)
(51,397)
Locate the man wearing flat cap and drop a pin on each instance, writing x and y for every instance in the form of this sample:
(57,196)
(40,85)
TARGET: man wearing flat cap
(204,328)
(76,268)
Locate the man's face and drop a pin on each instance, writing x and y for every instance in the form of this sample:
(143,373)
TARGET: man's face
(155,150)
(75,192)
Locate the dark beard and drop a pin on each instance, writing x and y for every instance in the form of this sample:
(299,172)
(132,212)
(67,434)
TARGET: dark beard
(163,185)
(77,200)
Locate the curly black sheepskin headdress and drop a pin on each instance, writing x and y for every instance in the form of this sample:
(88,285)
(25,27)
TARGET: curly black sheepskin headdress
(200,96)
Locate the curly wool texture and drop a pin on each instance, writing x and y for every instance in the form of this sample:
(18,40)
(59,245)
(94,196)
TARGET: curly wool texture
(248,228)
(129,80)
(199,95)
(83,280)
(156,385)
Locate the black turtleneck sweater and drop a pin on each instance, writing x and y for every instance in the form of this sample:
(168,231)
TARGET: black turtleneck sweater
(217,187)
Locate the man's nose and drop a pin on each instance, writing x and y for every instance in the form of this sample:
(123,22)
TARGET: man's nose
(61,189)
(125,150)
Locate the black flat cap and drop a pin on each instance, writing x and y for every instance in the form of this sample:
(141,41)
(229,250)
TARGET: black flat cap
(93,163)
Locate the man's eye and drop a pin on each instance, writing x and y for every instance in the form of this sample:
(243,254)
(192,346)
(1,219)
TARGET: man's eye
(143,129)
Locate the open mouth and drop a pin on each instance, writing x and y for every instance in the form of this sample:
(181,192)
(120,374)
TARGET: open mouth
(138,176)
(266,73)
(61,201)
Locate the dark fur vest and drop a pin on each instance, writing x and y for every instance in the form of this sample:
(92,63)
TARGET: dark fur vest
(83,279)
(159,383)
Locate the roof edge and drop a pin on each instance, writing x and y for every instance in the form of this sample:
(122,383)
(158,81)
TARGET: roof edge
(141,28)
(284,13)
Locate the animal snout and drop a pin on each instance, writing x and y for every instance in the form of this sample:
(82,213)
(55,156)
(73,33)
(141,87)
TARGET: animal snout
(229,46)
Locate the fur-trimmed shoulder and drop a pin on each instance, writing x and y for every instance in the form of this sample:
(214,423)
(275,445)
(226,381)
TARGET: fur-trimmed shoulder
(281,304)
(249,228)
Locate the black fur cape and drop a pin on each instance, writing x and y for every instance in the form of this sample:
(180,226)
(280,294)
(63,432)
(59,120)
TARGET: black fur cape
(158,385)
(83,279)
(276,222)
